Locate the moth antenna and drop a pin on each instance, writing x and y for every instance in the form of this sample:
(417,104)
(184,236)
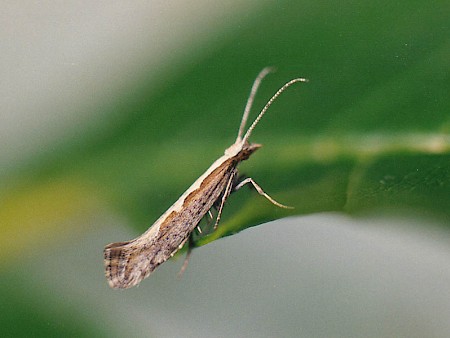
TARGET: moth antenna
(262,74)
(268,104)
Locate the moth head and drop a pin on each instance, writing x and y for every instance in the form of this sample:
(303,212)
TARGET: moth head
(243,148)
(248,149)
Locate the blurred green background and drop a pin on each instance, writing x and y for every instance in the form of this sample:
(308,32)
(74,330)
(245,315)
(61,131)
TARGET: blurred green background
(111,111)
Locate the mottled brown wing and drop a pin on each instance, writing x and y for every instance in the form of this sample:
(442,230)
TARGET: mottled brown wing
(128,263)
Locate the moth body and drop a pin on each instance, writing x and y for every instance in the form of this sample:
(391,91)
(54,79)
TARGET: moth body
(128,263)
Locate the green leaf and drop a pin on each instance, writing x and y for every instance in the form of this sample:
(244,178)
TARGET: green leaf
(369,131)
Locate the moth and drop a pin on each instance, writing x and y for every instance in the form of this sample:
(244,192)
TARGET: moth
(128,263)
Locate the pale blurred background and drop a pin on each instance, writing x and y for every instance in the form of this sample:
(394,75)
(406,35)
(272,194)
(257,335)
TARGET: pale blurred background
(60,62)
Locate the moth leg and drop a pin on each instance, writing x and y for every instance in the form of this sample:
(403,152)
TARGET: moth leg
(188,256)
(226,193)
(261,192)
(211,217)
(191,244)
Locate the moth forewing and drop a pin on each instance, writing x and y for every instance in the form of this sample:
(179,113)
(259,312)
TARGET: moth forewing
(127,263)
